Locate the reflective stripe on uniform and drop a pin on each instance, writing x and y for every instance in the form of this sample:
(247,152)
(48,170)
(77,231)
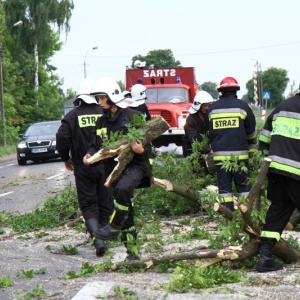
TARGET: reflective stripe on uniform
(87,120)
(285,168)
(251,136)
(227,113)
(244,194)
(225,155)
(264,139)
(226,197)
(287,114)
(120,206)
(265,136)
(270,235)
(101,132)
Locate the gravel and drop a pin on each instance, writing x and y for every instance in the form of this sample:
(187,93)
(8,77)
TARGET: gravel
(28,252)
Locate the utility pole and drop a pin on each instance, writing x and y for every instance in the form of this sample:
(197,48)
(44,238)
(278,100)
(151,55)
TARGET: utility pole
(2,101)
(260,82)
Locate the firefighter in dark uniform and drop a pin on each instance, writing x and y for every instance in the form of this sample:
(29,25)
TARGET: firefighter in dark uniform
(72,140)
(115,118)
(196,122)
(280,140)
(231,130)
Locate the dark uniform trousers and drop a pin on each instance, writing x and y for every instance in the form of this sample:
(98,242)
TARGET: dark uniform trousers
(95,200)
(225,180)
(283,192)
(123,190)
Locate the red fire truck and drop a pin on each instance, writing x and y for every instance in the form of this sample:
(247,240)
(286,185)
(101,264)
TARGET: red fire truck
(170,92)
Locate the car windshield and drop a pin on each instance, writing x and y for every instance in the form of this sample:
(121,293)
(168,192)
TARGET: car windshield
(42,129)
(163,95)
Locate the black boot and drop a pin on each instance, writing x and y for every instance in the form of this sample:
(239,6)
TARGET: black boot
(111,231)
(92,225)
(129,239)
(266,261)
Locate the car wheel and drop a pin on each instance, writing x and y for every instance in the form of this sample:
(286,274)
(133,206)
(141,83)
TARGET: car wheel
(22,162)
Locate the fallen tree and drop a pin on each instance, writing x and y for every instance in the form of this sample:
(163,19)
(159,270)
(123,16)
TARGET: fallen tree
(238,253)
(122,149)
(283,249)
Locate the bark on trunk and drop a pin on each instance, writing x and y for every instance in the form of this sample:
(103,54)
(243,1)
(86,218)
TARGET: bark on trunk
(237,253)
(178,189)
(122,149)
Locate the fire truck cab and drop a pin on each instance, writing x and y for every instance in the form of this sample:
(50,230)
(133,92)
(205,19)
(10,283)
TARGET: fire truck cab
(170,93)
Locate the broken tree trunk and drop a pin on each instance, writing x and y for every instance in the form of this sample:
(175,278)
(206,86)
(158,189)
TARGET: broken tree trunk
(282,249)
(236,253)
(181,190)
(255,190)
(122,149)
(294,220)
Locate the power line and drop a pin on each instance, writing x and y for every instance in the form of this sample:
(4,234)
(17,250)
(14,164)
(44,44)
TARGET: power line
(240,50)
(193,54)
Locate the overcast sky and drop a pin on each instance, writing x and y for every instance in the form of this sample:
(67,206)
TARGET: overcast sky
(218,37)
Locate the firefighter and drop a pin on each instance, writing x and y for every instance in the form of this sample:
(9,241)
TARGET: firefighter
(231,130)
(196,122)
(72,140)
(280,140)
(114,120)
(139,64)
(138,94)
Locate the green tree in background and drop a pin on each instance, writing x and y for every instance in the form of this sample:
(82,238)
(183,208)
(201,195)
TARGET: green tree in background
(274,81)
(162,58)
(31,88)
(211,88)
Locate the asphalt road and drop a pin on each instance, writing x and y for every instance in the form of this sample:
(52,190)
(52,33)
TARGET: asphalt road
(22,188)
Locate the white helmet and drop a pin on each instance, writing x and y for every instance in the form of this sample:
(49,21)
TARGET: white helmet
(109,87)
(200,98)
(138,95)
(84,90)
(139,64)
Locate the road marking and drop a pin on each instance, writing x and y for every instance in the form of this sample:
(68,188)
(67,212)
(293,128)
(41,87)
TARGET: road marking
(9,165)
(2,195)
(94,290)
(54,176)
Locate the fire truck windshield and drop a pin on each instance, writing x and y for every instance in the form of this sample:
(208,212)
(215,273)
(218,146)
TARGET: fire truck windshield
(163,95)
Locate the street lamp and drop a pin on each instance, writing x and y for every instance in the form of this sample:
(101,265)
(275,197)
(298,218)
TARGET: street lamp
(84,62)
(19,23)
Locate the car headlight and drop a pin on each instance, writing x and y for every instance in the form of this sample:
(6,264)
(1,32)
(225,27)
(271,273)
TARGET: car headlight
(21,145)
(54,143)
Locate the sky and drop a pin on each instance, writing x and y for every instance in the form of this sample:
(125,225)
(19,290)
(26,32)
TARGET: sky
(218,38)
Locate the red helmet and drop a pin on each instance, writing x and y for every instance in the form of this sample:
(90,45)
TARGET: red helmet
(228,83)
